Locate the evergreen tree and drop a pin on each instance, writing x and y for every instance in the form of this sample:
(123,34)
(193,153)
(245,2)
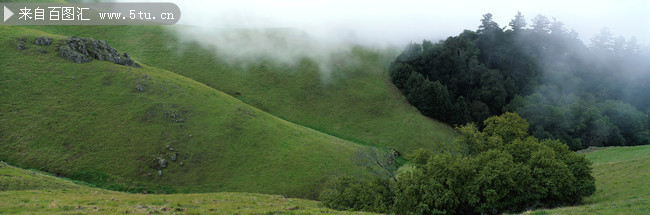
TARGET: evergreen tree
(557,28)
(541,24)
(487,24)
(518,23)
(603,41)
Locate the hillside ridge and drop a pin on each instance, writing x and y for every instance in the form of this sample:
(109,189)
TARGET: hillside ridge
(173,113)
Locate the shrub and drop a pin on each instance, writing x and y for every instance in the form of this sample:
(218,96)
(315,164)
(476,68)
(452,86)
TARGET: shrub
(348,193)
(503,170)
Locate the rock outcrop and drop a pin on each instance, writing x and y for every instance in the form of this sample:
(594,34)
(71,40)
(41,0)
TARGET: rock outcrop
(83,50)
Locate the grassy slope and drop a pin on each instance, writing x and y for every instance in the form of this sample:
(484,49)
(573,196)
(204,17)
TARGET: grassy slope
(622,182)
(23,191)
(356,101)
(88,122)
(620,176)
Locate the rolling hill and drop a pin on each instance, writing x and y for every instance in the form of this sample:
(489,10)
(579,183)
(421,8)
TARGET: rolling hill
(196,118)
(619,173)
(27,191)
(90,122)
(355,100)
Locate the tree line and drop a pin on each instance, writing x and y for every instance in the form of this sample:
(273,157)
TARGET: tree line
(582,95)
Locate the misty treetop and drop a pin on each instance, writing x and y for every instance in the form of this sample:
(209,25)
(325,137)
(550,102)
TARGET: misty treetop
(594,95)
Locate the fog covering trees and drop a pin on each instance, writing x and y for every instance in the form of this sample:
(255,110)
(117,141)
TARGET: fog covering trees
(594,95)
(500,169)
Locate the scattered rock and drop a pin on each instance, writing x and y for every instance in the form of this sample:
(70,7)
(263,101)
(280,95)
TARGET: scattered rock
(181,163)
(395,153)
(173,157)
(21,43)
(141,82)
(162,162)
(83,50)
(43,41)
(159,172)
(174,116)
(42,51)
(139,87)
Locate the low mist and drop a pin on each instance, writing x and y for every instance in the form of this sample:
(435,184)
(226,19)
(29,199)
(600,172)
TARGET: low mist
(288,30)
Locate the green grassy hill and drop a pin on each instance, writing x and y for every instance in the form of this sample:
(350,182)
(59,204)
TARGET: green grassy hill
(88,122)
(28,192)
(354,101)
(620,177)
(622,186)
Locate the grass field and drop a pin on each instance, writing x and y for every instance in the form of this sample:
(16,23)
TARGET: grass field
(28,192)
(235,124)
(620,179)
(622,183)
(88,122)
(354,100)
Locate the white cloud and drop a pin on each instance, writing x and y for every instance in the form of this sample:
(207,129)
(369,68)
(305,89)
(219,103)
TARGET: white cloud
(399,22)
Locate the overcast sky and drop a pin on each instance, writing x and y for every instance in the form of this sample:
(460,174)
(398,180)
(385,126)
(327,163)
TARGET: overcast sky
(401,21)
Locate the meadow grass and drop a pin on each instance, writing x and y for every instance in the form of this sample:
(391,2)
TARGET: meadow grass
(88,122)
(353,100)
(622,183)
(28,192)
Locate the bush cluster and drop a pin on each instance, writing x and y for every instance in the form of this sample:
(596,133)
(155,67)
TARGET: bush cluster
(500,169)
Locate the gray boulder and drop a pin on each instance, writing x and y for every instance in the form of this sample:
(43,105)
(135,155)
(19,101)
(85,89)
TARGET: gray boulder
(83,50)
(21,43)
(139,87)
(75,56)
(162,162)
(43,41)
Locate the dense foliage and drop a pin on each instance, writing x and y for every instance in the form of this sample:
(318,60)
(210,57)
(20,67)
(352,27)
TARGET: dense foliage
(584,96)
(500,169)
